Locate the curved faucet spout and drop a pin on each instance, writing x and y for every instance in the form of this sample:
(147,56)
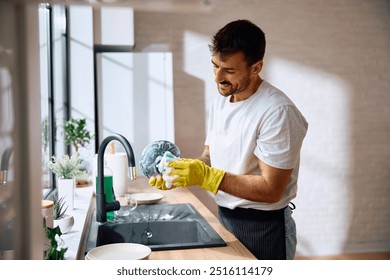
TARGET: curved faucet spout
(5,158)
(101,205)
(4,165)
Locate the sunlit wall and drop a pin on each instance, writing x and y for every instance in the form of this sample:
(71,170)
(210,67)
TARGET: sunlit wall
(332,58)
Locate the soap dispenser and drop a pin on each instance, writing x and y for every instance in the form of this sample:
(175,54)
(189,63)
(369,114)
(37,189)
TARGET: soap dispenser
(108,188)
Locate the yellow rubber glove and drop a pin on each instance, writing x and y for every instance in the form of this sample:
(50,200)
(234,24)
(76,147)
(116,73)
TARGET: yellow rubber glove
(195,172)
(159,183)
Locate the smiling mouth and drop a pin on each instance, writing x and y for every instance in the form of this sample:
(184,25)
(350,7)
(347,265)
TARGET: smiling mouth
(224,84)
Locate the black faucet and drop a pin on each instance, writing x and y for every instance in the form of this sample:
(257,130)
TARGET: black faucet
(102,207)
(4,166)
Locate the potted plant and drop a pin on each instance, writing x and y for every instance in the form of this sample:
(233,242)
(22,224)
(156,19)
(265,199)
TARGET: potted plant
(61,218)
(56,249)
(77,135)
(45,152)
(66,168)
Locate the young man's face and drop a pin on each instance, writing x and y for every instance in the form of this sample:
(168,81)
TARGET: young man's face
(232,75)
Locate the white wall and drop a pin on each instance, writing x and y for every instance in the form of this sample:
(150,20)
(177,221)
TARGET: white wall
(81,73)
(137,98)
(332,58)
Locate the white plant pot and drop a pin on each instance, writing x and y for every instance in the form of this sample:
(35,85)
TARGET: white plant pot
(65,188)
(65,223)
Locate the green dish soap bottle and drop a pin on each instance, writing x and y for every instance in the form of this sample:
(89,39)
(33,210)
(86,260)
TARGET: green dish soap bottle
(108,188)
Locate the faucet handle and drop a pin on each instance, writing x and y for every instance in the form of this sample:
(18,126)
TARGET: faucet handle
(113,206)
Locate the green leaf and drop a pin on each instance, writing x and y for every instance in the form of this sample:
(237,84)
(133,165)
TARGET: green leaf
(65,167)
(59,208)
(76,133)
(55,251)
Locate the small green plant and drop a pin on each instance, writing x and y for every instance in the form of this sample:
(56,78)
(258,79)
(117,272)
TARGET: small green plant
(76,133)
(66,167)
(45,134)
(56,251)
(59,209)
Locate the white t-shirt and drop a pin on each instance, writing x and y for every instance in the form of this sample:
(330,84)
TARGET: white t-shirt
(266,126)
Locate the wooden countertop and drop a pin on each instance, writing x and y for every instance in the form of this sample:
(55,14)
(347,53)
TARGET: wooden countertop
(234,250)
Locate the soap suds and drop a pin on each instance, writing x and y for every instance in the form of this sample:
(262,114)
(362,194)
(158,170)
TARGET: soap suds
(166,217)
(163,168)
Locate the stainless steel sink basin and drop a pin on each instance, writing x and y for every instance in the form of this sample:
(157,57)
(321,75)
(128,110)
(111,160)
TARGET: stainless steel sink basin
(160,226)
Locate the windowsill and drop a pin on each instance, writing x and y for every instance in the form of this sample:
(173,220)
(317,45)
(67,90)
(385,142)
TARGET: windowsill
(81,204)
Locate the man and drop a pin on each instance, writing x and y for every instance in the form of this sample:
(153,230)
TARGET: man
(252,150)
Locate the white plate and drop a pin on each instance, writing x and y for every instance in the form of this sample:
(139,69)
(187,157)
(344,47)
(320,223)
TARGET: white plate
(119,251)
(147,198)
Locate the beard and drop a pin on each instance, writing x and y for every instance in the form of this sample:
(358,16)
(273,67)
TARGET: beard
(226,88)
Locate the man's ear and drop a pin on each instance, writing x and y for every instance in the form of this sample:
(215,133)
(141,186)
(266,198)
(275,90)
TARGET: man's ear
(256,68)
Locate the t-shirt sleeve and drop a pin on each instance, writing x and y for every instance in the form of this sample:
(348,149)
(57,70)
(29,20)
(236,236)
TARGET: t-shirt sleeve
(280,138)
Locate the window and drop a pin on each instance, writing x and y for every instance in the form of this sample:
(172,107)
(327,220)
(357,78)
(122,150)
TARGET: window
(54,86)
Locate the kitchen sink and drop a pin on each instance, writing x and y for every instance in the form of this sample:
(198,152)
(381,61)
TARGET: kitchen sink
(159,226)
(7,238)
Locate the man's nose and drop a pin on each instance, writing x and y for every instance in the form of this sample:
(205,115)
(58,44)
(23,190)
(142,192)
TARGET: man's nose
(219,75)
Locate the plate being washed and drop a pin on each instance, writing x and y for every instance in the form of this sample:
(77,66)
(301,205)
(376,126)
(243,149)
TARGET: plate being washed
(152,154)
(147,198)
(119,251)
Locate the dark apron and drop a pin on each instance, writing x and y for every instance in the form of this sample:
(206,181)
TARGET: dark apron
(262,232)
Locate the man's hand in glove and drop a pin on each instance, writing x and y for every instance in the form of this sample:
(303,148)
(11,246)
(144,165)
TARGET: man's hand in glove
(158,182)
(195,172)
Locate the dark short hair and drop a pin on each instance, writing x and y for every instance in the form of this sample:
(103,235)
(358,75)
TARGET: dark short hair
(240,36)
